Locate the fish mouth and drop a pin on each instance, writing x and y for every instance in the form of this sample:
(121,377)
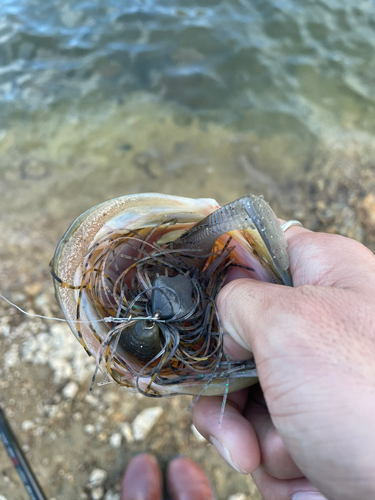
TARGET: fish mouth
(145,295)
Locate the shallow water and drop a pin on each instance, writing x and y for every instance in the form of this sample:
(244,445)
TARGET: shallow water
(301,71)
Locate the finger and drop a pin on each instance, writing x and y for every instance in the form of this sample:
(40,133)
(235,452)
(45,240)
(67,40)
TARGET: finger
(272,488)
(276,459)
(235,440)
(328,260)
(232,348)
(235,351)
(246,307)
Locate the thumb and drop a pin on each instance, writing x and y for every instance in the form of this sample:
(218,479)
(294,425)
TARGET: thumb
(248,308)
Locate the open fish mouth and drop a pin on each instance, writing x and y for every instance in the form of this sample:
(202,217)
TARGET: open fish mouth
(137,278)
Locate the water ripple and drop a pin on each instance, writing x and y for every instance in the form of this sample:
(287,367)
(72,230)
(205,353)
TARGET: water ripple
(288,57)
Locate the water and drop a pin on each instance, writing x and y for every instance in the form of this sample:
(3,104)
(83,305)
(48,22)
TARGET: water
(304,67)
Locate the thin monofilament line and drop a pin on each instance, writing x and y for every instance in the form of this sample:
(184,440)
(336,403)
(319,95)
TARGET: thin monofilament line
(107,319)
(225,395)
(117,339)
(33,315)
(100,355)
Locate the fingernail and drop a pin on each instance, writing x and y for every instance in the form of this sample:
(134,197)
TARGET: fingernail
(308,495)
(224,453)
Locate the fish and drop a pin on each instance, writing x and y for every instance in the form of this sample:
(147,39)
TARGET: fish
(137,277)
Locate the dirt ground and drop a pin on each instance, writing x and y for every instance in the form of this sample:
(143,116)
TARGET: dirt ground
(51,171)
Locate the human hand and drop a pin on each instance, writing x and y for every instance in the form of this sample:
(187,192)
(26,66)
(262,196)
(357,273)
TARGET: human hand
(311,426)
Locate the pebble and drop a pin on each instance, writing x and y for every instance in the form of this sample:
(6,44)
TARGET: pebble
(58,348)
(18,297)
(98,427)
(63,370)
(34,288)
(27,425)
(3,498)
(97,493)
(91,400)
(102,437)
(39,431)
(89,429)
(43,302)
(238,496)
(70,391)
(111,495)
(111,397)
(97,478)
(198,436)
(115,440)
(145,421)
(12,357)
(5,326)
(127,432)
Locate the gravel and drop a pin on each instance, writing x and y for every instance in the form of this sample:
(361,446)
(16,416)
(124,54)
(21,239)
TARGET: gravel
(89,429)
(110,495)
(127,432)
(97,478)
(70,391)
(115,440)
(145,421)
(97,493)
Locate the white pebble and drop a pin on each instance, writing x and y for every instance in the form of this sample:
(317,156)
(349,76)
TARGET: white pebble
(127,432)
(97,493)
(39,431)
(11,357)
(70,391)
(238,496)
(111,495)
(145,421)
(92,400)
(97,478)
(98,427)
(89,429)
(198,436)
(115,440)
(111,397)
(26,426)
(3,498)
(62,370)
